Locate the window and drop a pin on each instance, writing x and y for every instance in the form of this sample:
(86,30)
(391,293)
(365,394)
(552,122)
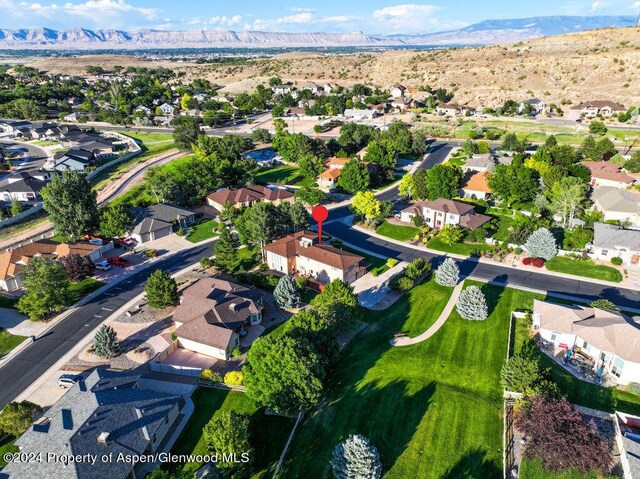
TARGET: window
(554,337)
(618,366)
(605,252)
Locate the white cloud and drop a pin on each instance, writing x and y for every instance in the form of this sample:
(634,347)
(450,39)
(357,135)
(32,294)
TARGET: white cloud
(596,5)
(410,18)
(225,21)
(636,5)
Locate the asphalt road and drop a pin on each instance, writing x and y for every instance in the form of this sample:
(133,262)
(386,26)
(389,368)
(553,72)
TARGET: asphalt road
(37,156)
(25,368)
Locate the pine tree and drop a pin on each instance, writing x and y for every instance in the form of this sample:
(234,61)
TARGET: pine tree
(226,252)
(448,273)
(161,290)
(286,293)
(541,244)
(356,458)
(472,304)
(106,344)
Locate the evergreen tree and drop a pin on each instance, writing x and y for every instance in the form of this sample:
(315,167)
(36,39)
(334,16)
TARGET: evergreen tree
(161,290)
(420,184)
(354,177)
(286,293)
(185,132)
(541,244)
(448,273)
(472,304)
(226,252)
(17,208)
(338,305)
(71,204)
(106,344)
(356,458)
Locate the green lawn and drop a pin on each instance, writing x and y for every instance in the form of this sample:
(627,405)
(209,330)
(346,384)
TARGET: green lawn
(457,160)
(533,470)
(7,445)
(457,248)
(8,341)
(397,232)
(433,410)
(562,264)
(202,231)
(268,433)
(289,175)
(79,290)
(502,233)
(247,257)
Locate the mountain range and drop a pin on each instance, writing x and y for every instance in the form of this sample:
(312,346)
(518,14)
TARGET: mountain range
(484,33)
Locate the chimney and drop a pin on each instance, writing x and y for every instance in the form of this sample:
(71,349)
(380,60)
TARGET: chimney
(103,437)
(233,307)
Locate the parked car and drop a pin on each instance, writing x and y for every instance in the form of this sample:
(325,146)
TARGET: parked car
(68,380)
(127,241)
(118,261)
(103,266)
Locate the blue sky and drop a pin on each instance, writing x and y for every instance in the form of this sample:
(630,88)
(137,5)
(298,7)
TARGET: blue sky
(369,16)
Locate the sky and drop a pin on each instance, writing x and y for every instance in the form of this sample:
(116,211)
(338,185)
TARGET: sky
(368,16)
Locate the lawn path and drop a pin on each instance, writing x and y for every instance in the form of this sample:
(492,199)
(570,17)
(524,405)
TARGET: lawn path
(407,341)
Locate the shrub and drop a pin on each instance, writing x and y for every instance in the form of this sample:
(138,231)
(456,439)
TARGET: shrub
(604,304)
(211,376)
(475,252)
(234,378)
(616,260)
(400,283)
(417,268)
(476,236)
(374,273)
(206,263)
(526,261)
(236,352)
(301,282)
(517,250)
(286,292)
(391,262)
(356,458)
(634,388)
(538,262)
(150,253)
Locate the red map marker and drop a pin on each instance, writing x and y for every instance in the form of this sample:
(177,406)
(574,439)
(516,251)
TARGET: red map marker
(320,214)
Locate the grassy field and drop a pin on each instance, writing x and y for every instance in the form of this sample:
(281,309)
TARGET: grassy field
(202,231)
(8,341)
(457,248)
(397,232)
(433,410)
(79,290)
(268,433)
(533,470)
(586,268)
(6,445)
(289,175)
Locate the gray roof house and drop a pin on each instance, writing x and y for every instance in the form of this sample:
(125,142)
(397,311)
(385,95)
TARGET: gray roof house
(480,162)
(611,241)
(157,221)
(75,159)
(617,204)
(21,187)
(109,412)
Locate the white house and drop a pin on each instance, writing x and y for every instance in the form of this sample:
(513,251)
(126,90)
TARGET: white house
(442,212)
(595,108)
(610,241)
(282,89)
(610,339)
(537,106)
(397,90)
(357,114)
(300,253)
(617,204)
(167,109)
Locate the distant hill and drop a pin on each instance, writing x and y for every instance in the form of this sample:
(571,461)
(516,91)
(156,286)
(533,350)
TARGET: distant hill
(483,33)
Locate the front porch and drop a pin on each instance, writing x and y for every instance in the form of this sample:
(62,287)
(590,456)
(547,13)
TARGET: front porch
(579,364)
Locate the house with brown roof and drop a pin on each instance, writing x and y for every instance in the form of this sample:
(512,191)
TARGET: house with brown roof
(449,109)
(605,173)
(475,185)
(328,179)
(397,90)
(591,109)
(13,261)
(212,316)
(301,254)
(249,196)
(441,212)
(610,339)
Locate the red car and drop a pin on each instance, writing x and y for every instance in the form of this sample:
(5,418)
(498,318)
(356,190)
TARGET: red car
(118,261)
(127,241)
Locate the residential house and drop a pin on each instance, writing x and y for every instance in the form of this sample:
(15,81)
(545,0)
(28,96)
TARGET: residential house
(282,89)
(107,414)
(592,109)
(157,221)
(73,117)
(142,109)
(17,128)
(192,112)
(617,204)
(610,241)
(449,109)
(75,159)
(166,109)
(21,186)
(13,261)
(249,196)
(441,212)
(537,106)
(328,179)
(475,185)
(605,173)
(301,254)
(329,88)
(610,339)
(314,88)
(102,148)
(212,316)
(397,90)
(47,131)
(402,104)
(359,115)
(480,163)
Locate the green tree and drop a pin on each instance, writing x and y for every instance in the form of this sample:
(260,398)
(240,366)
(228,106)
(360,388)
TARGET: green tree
(71,204)
(105,343)
(521,373)
(633,164)
(471,304)
(514,183)
(550,141)
(597,128)
(161,290)
(310,165)
(443,181)
(406,187)
(338,305)
(589,149)
(261,135)
(226,252)
(367,205)
(228,433)
(567,197)
(356,458)
(298,216)
(450,234)
(286,292)
(420,184)
(17,417)
(310,195)
(46,284)
(541,244)
(185,132)
(261,222)
(283,373)
(114,221)
(17,208)
(354,177)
